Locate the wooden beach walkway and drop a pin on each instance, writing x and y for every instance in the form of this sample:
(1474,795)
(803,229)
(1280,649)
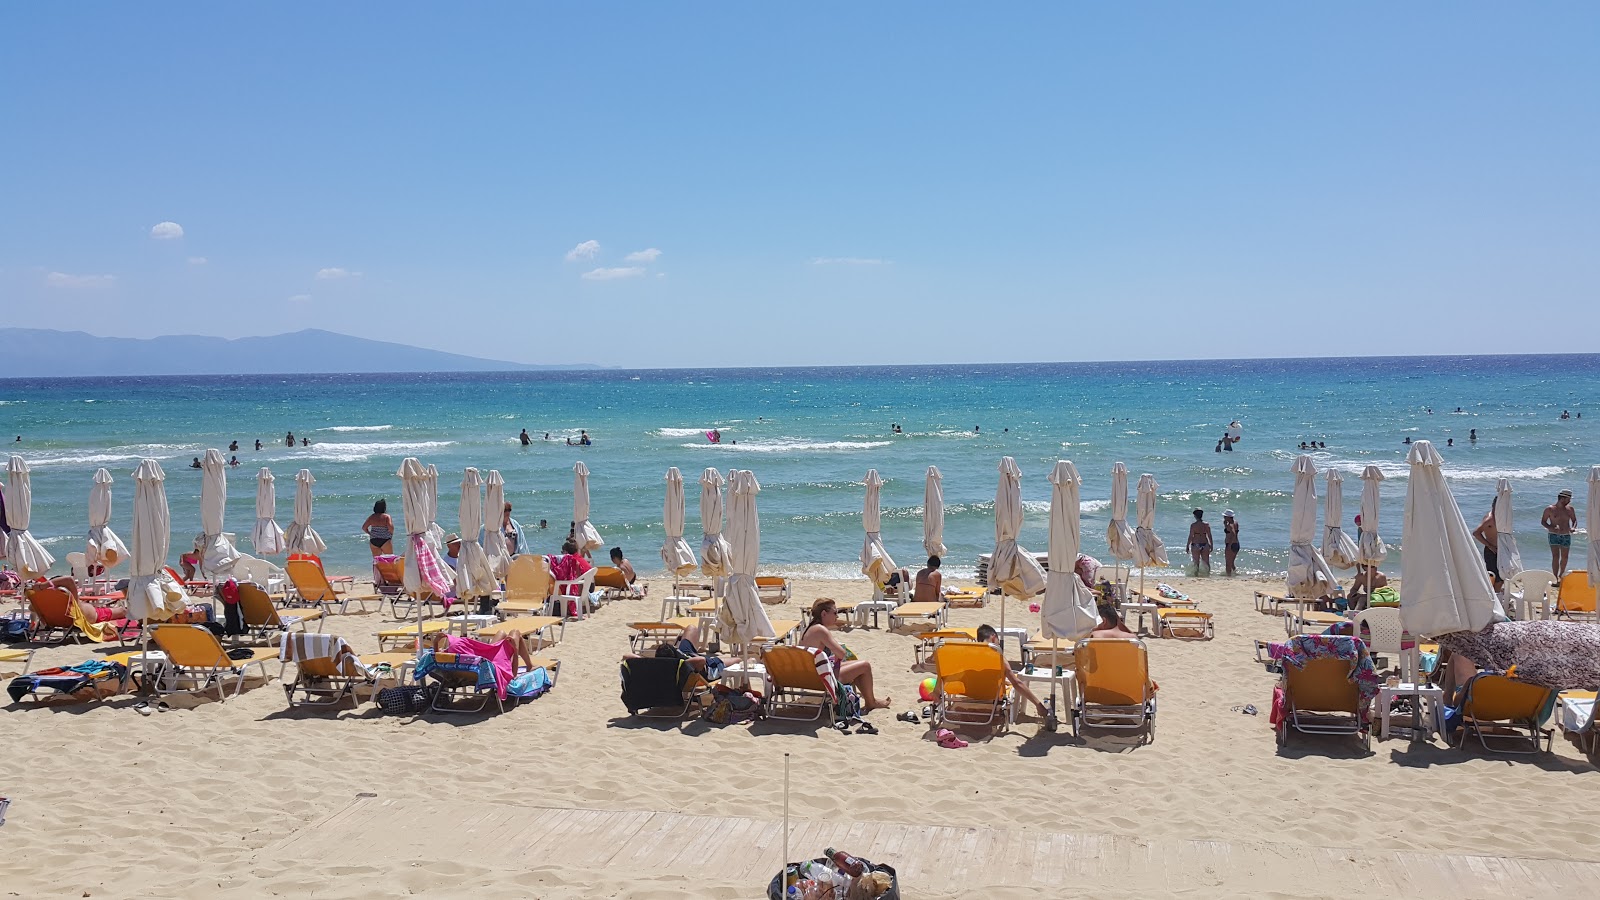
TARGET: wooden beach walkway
(930,859)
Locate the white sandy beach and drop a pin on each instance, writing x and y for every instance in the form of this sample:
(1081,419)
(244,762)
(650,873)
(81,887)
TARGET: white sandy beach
(193,801)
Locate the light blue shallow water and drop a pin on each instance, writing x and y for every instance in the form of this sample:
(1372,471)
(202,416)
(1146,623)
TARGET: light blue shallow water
(811,434)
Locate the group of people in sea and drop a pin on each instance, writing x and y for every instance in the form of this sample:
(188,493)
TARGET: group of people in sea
(1560,522)
(233,447)
(583,438)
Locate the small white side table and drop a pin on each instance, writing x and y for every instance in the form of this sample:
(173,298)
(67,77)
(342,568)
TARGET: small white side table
(1431,698)
(875,607)
(469,625)
(1141,610)
(150,664)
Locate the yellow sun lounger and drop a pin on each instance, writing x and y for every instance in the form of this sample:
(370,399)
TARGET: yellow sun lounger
(25,657)
(772,589)
(197,661)
(1114,686)
(1175,622)
(265,620)
(529,586)
(401,634)
(973,689)
(1506,710)
(648,634)
(793,684)
(907,614)
(327,670)
(543,629)
(313,586)
(928,641)
(965,597)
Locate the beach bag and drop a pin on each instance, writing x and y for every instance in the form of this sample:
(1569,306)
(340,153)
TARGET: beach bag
(232,612)
(849,703)
(403,700)
(14,630)
(733,707)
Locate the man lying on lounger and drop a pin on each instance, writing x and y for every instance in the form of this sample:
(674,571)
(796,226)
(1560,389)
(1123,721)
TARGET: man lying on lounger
(687,648)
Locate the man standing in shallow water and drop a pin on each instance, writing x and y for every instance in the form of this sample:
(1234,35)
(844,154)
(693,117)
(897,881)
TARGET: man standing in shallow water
(1560,519)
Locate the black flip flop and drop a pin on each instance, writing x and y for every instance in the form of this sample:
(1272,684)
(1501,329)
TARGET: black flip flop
(911,717)
(843,726)
(867,728)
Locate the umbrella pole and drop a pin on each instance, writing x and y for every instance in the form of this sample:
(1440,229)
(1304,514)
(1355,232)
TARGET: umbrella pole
(786,819)
(1053,722)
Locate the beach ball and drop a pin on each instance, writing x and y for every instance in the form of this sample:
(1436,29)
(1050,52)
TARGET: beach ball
(928,690)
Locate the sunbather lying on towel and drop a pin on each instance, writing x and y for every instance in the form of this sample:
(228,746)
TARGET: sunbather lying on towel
(111,612)
(505,654)
(687,648)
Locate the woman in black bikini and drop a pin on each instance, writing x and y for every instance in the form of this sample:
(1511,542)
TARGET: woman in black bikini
(1230,541)
(380,529)
(1200,542)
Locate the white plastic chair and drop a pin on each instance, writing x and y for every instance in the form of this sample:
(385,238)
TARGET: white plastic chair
(1386,635)
(1530,592)
(585,585)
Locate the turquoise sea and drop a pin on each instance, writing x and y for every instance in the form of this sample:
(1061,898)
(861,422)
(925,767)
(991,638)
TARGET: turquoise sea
(811,434)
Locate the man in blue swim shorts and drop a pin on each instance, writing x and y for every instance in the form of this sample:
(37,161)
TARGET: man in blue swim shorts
(1560,520)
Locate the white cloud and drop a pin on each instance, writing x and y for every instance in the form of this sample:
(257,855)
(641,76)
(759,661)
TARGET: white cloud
(613,273)
(300,298)
(63,280)
(848,261)
(197,260)
(166,231)
(644,256)
(585,250)
(335,273)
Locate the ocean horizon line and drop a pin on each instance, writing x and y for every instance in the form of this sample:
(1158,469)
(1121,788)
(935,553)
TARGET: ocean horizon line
(563,370)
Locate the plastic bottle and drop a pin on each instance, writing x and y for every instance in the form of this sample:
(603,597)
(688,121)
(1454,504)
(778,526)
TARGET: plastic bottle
(847,864)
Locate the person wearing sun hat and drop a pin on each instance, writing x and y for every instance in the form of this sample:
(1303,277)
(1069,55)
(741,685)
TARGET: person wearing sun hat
(1230,541)
(1560,520)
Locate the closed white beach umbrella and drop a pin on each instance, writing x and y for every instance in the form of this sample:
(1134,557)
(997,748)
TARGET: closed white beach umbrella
(103,547)
(1373,551)
(933,513)
(1012,569)
(152,593)
(1445,587)
(876,563)
(424,568)
(26,553)
(676,554)
(301,537)
(435,530)
(494,507)
(1509,557)
(741,618)
(1591,518)
(1309,575)
(1120,537)
(1148,549)
(714,550)
(267,537)
(217,553)
(1337,548)
(474,573)
(588,537)
(1069,606)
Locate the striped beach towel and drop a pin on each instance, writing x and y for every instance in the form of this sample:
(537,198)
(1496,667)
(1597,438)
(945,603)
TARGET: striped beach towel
(298,647)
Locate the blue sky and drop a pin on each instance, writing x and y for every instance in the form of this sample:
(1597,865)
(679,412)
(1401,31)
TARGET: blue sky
(827,184)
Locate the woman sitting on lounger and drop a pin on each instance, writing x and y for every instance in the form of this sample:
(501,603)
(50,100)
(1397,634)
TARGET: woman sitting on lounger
(819,636)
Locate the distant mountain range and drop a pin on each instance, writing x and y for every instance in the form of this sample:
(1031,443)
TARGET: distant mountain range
(46,353)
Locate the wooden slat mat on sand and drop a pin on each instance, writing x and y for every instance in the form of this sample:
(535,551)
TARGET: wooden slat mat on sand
(929,858)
